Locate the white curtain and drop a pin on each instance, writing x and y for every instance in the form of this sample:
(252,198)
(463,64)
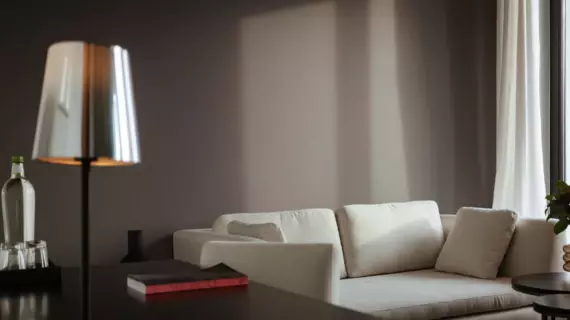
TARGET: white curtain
(522,99)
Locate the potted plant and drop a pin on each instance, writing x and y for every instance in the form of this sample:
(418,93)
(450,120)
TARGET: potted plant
(558,207)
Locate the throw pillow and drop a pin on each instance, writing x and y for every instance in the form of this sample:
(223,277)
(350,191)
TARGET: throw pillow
(478,242)
(269,232)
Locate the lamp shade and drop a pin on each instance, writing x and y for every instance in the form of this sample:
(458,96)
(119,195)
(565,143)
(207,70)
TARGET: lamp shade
(87,108)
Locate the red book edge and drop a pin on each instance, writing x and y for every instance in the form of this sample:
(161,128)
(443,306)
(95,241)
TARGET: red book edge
(196,285)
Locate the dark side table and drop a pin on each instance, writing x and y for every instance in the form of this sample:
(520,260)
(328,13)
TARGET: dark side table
(110,300)
(553,306)
(554,289)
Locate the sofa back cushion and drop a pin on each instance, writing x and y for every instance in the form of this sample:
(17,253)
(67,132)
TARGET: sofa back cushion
(298,226)
(390,237)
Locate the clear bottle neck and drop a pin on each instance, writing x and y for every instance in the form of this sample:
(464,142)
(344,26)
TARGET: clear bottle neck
(17,170)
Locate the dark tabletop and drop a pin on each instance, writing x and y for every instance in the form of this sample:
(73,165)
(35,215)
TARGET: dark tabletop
(557,305)
(543,283)
(111,300)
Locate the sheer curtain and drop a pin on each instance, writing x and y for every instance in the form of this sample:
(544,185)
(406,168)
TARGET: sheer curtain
(522,98)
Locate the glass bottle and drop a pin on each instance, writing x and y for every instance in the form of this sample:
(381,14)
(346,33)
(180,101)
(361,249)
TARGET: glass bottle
(18,205)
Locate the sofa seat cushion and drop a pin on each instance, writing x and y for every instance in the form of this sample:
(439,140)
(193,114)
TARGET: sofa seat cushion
(390,237)
(298,226)
(428,294)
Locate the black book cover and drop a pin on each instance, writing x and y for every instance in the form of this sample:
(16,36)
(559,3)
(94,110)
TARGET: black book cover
(219,271)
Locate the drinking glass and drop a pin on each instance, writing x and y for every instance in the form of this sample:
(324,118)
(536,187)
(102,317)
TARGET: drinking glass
(4,256)
(37,254)
(24,306)
(33,306)
(12,257)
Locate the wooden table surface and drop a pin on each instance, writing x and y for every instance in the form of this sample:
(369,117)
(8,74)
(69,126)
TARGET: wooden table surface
(542,283)
(111,300)
(553,305)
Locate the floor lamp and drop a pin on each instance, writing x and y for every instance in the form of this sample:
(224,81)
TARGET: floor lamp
(87,118)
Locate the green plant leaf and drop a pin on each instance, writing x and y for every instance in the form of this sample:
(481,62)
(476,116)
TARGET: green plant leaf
(562,186)
(560,226)
(550,197)
(558,211)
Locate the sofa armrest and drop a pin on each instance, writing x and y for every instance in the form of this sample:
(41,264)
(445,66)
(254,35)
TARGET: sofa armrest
(188,244)
(534,248)
(305,269)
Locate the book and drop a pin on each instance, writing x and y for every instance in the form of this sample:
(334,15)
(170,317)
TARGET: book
(184,295)
(217,276)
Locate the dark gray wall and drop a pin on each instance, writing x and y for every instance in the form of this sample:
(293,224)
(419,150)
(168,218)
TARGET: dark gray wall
(204,128)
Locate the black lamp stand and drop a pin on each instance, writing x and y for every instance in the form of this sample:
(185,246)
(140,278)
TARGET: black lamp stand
(85,281)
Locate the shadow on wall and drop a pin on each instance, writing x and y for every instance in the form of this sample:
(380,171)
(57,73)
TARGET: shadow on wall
(264,105)
(425,106)
(473,97)
(446,70)
(368,101)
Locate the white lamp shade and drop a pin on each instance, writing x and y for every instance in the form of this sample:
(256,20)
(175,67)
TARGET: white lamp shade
(87,108)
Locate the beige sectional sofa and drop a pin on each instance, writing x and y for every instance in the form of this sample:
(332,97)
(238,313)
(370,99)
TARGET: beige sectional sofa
(378,261)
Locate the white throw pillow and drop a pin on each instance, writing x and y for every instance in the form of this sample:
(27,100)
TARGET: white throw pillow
(269,232)
(478,242)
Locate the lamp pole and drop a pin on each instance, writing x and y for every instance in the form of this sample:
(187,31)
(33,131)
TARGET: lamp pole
(85,243)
